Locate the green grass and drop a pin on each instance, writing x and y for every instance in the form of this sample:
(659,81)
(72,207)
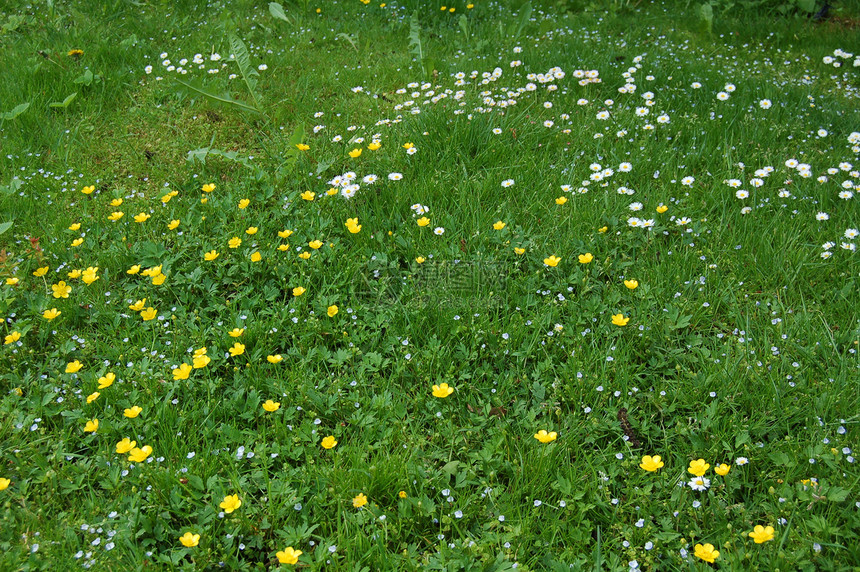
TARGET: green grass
(742,337)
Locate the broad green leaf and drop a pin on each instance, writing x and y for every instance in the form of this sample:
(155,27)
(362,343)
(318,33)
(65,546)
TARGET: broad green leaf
(65,103)
(276,10)
(16,111)
(5,226)
(243,59)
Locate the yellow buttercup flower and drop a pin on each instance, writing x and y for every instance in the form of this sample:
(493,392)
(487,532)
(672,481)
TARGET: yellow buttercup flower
(519,250)
(271,406)
(698,467)
(302,147)
(256,257)
(200,361)
(132,412)
(289,555)
(619,319)
(585,258)
(211,255)
(236,332)
(181,372)
(88,190)
(631,284)
(139,455)
(92,426)
(560,200)
(662,208)
(304,255)
(237,349)
(277,358)
(328,442)
(77,242)
(498,225)
(706,552)
(298,291)
(138,306)
(230,503)
(442,390)
(234,242)
(116,202)
(423,221)
(74,366)
(374,145)
(208,188)
(173,224)
(420,259)
(12,338)
(74,274)
(650,463)
(722,469)
(251,230)
(148,314)
(359,501)
(107,380)
(39,272)
(51,314)
(125,446)
(332,311)
(552,261)
(355,153)
(141,217)
(545,437)
(285,233)
(315,244)
(134,269)
(243,204)
(308,195)
(189,540)
(762,534)
(75,226)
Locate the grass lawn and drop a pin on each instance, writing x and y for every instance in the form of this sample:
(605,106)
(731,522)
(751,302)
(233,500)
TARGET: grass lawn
(396,286)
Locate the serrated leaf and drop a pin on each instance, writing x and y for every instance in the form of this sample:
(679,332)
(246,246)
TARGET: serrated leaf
(223,98)
(243,59)
(16,111)
(276,10)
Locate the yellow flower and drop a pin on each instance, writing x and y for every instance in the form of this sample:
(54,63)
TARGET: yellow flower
(631,284)
(706,553)
(148,314)
(125,446)
(256,257)
(116,202)
(308,195)
(139,455)
(173,224)
(251,230)
(352,225)
(302,147)
(285,233)
(107,380)
(77,242)
(442,390)
(304,255)
(560,200)
(11,338)
(141,217)
(602,229)
(359,501)
(585,258)
(722,469)
(234,242)
(498,225)
(200,352)
(698,467)
(519,250)
(271,406)
(298,291)
(138,306)
(328,442)
(12,281)
(133,270)
(189,540)
(200,361)
(408,145)
(203,200)
(230,503)
(619,319)
(545,437)
(88,190)
(244,203)
(374,145)
(211,255)
(90,275)
(39,272)
(315,244)
(662,208)
(208,187)
(75,226)
(420,260)
(274,358)
(159,279)
(51,314)
(288,555)
(75,53)
(355,153)
(283,247)
(4,484)
(116,215)
(761,534)
(74,366)
(650,463)
(92,426)
(402,494)
(423,221)
(76,273)
(236,332)
(552,260)
(332,311)
(132,412)
(154,271)
(181,372)
(237,349)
